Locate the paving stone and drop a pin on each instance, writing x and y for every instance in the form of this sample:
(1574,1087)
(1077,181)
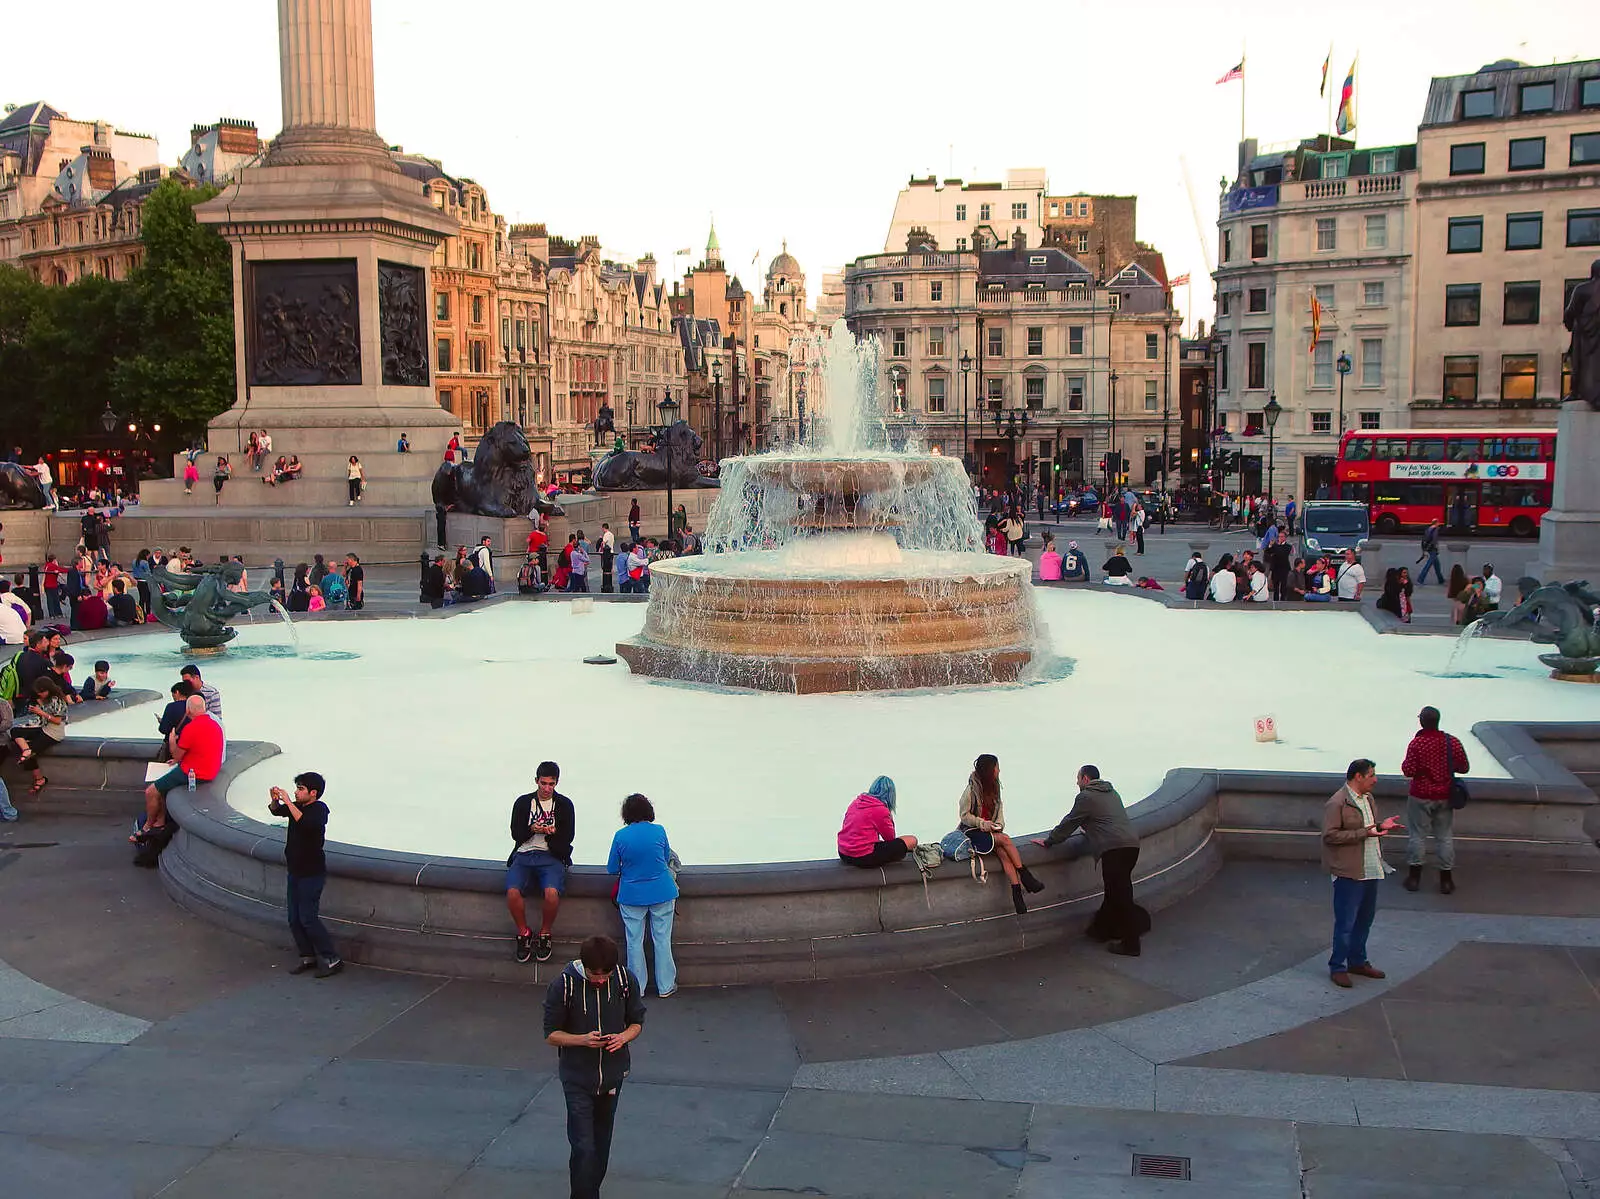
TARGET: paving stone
(75,1020)
(866,1017)
(1201,1026)
(1588,960)
(482,1182)
(52,1062)
(916,1074)
(1355,1159)
(468,1023)
(404,1110)
(905,1119)
(1047,991)
(1046,1182)
(267,1174)
(1544,976)
(716,1036)
(1356,1041)
(1080,1067)
(845,1168)
(35,1171)
(1449,1108)
(1492,1045)
(1323,1099)
(144,1170)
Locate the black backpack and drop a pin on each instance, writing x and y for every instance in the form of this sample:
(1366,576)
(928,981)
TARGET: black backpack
(1194,583)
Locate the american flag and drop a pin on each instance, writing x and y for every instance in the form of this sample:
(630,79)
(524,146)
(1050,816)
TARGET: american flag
(1233,73)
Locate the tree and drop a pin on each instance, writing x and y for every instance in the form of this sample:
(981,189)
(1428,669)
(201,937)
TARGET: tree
(177,313)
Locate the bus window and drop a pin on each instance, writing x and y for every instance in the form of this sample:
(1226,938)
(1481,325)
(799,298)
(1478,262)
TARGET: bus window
(1522,449)
(1427,449)
(1393,449)
(1494,449)
(1516,495)
(1359,449)
(1464,449)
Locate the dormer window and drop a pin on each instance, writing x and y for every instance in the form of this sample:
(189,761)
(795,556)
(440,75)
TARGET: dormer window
(1037,259)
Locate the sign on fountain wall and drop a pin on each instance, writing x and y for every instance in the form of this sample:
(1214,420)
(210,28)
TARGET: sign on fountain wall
(304,323)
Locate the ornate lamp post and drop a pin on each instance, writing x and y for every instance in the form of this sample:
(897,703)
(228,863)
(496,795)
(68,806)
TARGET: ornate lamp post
(1113,453)
(716,442)
(1342,364)
(668,408)
(1270,414)
(108,419)
(1011,425)
(632,404)
(966,370)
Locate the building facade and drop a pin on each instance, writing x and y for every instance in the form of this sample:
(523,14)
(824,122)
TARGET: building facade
(45,155)
(523,298)
(971,216)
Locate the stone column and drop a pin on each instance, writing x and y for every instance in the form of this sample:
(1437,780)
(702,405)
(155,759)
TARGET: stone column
(325,71)
(1569,534)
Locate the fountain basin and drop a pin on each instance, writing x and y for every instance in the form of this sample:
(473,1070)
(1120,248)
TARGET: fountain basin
(760,620)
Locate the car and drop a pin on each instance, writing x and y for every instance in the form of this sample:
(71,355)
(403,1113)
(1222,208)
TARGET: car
(1332,526)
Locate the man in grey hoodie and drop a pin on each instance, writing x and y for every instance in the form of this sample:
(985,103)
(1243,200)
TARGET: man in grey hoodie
(1099,812)
(591,1011)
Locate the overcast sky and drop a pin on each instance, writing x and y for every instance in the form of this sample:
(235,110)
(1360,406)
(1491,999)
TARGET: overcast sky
(636,122)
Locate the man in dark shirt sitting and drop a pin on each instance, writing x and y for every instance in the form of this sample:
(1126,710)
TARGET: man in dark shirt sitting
(124,608)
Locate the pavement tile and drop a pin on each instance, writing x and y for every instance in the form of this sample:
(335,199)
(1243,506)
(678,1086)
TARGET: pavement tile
(1588,960)
(1346,1161)
(1048,1182)
(1079,1067)
(844,1168)
(691,1135)
(1545,976)
(1355,1041)
(1320,1098)
(905,1119)
(52,1062)
(75,1020)
(1042,992)
(1202,1026)
(144,1170)
(468,1023)
(404,1110)
(1496,1045)
(36,1172)
(916,1074)
(272,1016)
(1448,1108)
(483,1182)
(716,1036)
(866,1017)
(268,1174)
(1221,1150)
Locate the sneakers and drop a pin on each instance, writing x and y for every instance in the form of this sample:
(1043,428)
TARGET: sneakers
(544,948)
(1126,949)
(331,968)
(525,947)
(305,967)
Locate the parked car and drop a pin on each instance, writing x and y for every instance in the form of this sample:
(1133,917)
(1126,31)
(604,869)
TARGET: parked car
(1333,526)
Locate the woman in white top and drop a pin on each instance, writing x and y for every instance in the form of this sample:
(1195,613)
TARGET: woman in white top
(1258,584)
(1224,583)
(356,479)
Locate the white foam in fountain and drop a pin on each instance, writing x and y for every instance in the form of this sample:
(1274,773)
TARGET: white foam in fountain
(847,552)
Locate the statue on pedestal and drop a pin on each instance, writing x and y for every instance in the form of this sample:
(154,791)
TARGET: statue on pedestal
(198,603)
(604,423)
(19,488)
(675,458)
(1562,615)
(497,482)
(1582,319)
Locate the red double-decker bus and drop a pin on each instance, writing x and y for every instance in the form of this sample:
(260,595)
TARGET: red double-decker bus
(1468,478)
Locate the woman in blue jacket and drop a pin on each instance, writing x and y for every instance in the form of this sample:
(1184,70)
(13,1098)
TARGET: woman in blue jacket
(646,890)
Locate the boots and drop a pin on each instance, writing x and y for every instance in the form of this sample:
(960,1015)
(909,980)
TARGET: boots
(1017,901)
(1447,884)
(1414,878)
(1028,881)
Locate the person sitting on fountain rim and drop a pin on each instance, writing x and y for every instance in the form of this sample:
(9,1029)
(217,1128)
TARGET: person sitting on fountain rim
(1491,589)
(196,749)
(867,837)
(1118,571)
(543,823)
(98,685)
(982,818)
(1074,566)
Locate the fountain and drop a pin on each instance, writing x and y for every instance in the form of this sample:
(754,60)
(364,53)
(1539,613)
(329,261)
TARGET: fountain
(1564,616)
(849,568)
(199,602)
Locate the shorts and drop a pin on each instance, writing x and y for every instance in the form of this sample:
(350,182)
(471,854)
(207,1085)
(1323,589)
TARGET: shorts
(880,854)
(172,780)
(536,866)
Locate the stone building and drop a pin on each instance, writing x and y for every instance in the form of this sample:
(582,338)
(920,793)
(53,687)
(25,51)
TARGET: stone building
(655,359)
(45,155)
(715,315)
(522,297)
(1320,219)
(971,216)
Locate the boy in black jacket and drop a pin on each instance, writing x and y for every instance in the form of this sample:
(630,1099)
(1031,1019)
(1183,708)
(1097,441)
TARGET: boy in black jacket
(542,825)
(591,1012)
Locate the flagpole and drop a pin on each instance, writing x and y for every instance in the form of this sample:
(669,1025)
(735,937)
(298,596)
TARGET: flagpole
(1243,81)
(1326,79)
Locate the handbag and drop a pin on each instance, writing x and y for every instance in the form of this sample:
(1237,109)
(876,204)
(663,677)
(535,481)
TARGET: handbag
(1459,795)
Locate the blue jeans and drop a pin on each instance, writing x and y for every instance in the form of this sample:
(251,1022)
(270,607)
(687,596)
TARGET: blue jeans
(1432,564)
(590,1120)
(660,918)
(8,812)
(310,934)
(1355,903)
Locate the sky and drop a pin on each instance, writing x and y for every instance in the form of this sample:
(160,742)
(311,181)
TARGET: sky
(637,122)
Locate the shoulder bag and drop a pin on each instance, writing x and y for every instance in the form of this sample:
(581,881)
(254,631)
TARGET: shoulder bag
(1459,795)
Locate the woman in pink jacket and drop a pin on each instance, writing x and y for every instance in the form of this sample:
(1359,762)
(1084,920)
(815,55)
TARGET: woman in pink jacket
(867,837)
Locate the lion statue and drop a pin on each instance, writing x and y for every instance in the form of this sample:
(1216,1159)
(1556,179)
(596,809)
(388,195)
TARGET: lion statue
(19,488)
(497,482)
(630,470)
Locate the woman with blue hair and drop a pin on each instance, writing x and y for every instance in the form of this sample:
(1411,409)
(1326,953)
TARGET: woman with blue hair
(867,837)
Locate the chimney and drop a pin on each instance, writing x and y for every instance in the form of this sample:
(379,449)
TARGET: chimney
(1019,240)
(101,169)
(1200,330)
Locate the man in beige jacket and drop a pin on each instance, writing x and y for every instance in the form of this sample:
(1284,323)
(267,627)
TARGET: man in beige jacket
(1350,852)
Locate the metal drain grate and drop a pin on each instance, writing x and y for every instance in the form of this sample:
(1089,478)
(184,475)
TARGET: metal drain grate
(1156,1165)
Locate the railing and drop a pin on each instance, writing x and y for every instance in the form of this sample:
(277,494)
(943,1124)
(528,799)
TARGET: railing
(1030,296)
(1322,189)
(1377,185)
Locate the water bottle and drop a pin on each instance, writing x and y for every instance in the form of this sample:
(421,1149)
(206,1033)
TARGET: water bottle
(191,780)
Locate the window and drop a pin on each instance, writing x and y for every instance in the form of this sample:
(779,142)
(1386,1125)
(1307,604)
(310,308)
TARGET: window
(961,212)
(983,212)
(1524,230)
(447,398)
(1461,379)
(442,352)
(1225,301)
(897,343)
(1377,231)
(1257,300)
(1461,303)
(1371,420)
(1258,241)
(936,393)
(1372,293)
(1019,212)
(936,342)
(1322,422)
(1466,159)
(1583,226)
(936,291)
(441,305)
(995,390)
(1335,168)
(1222,368)
(505,336)
(479,355)
(1322,363)
(1324,294)
(1327,233)
(1075,393)
(1033,387)
(1149,395)
(1074,339)
(1466,234)
(1152,346)
(1083,243)
(1477,104)
(869,293)
(899,292)
(961,243)
(1035,340)
(477,310)
(1083,208)
(1256,365)
(1114,301)
(1585,148)
(1055,208)
(1525,154)
(997,343)
(1538,97)
(1519,377)
(1227,245)
(1589,92)
(1372,362)
(1382,162)
(1522,303)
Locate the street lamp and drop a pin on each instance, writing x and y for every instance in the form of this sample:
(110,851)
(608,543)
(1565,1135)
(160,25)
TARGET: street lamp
(108,419)
(966,370)
(1342,364)
(1270,414)
(716,374)
(632,404)
(668,408)
(1011,425)
(1112,451)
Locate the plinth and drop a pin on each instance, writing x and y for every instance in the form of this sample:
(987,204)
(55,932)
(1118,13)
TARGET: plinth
(1569,534)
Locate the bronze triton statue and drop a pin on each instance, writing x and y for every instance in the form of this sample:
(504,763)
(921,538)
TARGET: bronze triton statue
(198,604)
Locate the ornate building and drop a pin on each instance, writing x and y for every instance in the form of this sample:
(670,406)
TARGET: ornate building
(46,155)
(713,313)
(523,300)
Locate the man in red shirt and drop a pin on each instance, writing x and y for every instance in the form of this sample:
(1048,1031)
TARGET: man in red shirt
(197,748)
(1431,760)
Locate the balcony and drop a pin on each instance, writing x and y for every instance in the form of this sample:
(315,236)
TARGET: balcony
(1036,297)
(1322,189)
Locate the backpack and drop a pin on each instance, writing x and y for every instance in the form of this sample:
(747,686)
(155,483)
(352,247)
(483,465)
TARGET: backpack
(10,680)
(334,590)
(1194,585)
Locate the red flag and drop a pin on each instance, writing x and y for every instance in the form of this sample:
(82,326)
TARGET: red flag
(1233,73)
(1316,323)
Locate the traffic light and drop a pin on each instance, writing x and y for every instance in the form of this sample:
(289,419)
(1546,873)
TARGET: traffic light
(1103,466)
(1174,461)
